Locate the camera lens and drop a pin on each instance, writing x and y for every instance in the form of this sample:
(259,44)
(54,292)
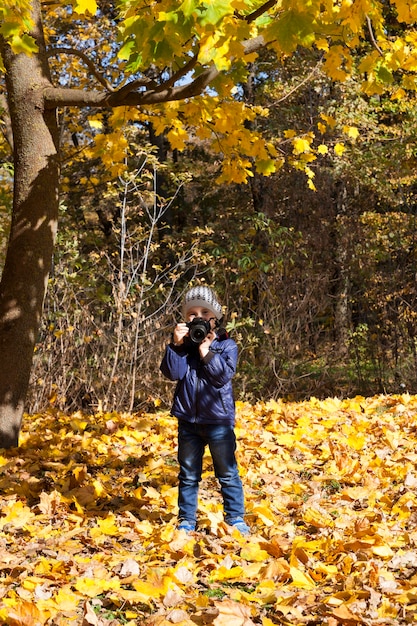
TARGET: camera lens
(198,333)
(199,328)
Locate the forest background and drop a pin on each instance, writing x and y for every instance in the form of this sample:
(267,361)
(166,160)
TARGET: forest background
(314,260)
(282,174)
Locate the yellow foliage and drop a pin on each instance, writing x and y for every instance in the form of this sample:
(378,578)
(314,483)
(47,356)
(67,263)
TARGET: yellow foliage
(339,149)
(330,494)
(301,144)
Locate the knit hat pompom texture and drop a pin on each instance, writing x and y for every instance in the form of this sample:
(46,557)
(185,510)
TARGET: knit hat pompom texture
(205,297)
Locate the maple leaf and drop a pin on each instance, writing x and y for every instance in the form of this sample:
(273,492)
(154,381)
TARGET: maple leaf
(232,614)
(85,6)
(16,514)
(25,613)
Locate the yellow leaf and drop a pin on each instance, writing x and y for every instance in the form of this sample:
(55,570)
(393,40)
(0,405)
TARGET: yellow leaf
(339,149)
(265,514)
(232,614)
(399,94)
(345,615)
(356,442)
(66,599)
(322,149)
(78,424)
(330,121)
(85,6)
(337,59)
(266,166)
(317,518)
(93,587)
(301,580)
(355,493)
(223,573)
(383,551)
(253,552)
(322,44)
(107,526)
(300,145)
(202,601)
(17,515)
(24,613)
(95,123)
(286,439)
(98,488)
(148,591)
(177,137)
(351,131)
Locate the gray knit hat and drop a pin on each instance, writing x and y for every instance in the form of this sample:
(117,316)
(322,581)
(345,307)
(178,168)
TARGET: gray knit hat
(202,296)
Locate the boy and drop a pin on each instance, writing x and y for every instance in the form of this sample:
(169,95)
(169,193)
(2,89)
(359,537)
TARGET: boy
(203,367)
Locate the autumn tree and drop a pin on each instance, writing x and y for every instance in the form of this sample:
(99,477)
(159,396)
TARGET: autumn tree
(174,66)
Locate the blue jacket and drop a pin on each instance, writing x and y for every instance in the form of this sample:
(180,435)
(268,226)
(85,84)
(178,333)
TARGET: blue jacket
(204,391)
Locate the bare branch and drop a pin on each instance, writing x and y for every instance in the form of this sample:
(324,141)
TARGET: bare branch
(299,85)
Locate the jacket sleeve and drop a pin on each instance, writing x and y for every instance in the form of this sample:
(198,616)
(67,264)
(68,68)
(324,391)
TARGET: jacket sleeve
(174,363)
(220,367)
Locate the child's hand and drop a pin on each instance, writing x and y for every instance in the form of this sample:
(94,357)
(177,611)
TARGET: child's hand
(206,343)
(180,331)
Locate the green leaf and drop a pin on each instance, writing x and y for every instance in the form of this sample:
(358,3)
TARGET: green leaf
(384,75)
(25,44)
(10,28)
(291,30)
(265,166)
(188,7)
(135,63)
(163,50)
(214,11)
(126,50)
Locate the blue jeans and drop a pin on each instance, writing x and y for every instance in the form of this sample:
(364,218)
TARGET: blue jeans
(221,440)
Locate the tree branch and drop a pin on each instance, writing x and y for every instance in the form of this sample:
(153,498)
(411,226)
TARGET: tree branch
(260,11)
(183,71)
(91,66)
(147,82)
(299,85)
(371,33)
(55,96)
(126,96)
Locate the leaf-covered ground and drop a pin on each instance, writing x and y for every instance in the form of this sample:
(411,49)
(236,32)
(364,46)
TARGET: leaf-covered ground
(87,521)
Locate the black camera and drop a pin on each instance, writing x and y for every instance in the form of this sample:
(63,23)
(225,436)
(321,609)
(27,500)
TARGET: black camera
(199,328)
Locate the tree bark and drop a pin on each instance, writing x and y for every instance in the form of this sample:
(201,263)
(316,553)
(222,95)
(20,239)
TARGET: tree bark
(35,209)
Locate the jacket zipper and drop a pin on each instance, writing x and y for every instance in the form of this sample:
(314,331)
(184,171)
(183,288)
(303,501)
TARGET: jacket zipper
(197,392)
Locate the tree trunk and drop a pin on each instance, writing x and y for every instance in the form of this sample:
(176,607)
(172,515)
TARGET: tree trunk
(35,208)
